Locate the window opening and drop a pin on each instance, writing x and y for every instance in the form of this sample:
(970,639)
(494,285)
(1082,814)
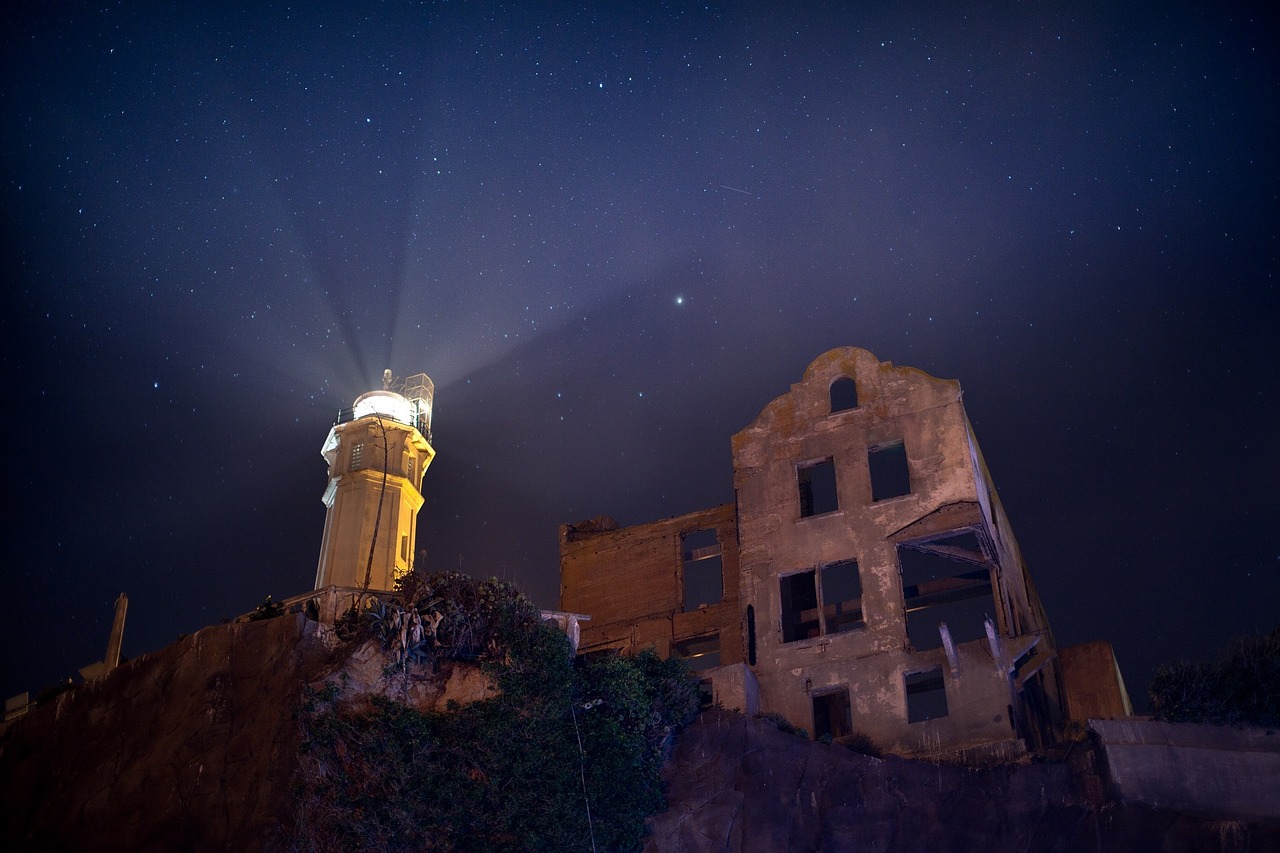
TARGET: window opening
(926,695)
(803,617)
(890,477)
(799,607)
(357,455)
(832,715)
(844,394)
(703,569)
(817,483)
(751,634)
(700,652)
(841,597)
(945,579)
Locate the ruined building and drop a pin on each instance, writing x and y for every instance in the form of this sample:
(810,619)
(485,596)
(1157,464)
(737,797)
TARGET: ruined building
(865,579)
(377,451)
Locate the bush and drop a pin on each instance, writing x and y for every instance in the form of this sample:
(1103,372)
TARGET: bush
(518,771)
(861,743)
(1241,687)
(783,724)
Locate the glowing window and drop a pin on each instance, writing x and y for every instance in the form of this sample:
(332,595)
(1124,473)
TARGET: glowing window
(700,652)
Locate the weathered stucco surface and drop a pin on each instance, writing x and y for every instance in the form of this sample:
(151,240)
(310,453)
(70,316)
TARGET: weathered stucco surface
(1000,683)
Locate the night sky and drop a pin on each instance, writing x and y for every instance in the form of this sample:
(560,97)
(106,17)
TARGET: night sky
(611,237)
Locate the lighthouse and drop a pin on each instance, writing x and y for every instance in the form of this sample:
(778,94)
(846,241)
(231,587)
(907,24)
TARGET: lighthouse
(377,453)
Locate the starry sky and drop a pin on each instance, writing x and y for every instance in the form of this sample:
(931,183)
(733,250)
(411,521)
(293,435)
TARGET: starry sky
(612,234)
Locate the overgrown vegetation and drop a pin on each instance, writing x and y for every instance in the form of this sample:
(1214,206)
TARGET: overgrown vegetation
(1241,687)
(567,757)
(860,742)
(783,724)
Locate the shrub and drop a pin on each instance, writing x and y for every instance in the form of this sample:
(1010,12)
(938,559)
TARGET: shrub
(783,724)
(1241,687)
(861,743)
(518,771)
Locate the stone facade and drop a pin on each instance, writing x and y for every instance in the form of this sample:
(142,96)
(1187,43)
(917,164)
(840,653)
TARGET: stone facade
(871,580)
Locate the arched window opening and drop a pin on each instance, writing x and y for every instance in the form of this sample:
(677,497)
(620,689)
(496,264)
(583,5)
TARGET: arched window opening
(844,394)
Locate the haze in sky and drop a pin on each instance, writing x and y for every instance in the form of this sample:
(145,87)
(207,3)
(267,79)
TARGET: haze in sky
(611,237)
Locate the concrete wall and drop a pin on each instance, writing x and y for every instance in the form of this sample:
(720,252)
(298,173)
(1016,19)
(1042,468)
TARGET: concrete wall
(1092,684)
(1208,771)
(734,688)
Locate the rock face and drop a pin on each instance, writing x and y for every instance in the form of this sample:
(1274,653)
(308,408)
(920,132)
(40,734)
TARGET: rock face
(195,747)
(738,784)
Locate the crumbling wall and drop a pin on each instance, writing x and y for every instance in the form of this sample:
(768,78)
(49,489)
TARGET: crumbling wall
(943,505)
(630,582)
(866,520)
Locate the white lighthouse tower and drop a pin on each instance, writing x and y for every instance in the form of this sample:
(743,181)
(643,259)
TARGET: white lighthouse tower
(377,452)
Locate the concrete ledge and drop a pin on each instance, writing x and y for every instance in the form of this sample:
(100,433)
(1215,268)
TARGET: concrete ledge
(1214,772)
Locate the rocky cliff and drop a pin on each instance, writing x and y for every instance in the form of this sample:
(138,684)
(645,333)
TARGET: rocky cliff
(195,747)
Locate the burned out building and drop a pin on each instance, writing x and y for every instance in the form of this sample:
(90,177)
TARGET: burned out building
(865,579)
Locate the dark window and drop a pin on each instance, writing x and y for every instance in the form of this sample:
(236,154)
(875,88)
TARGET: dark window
(700,652)
(926,695)
(703,571)
(799,607)
(844,394)
(841,597)
(817,483)
(841,609)
(357,455)
(945,579)
(751,634)
(889,475)
(831,715)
